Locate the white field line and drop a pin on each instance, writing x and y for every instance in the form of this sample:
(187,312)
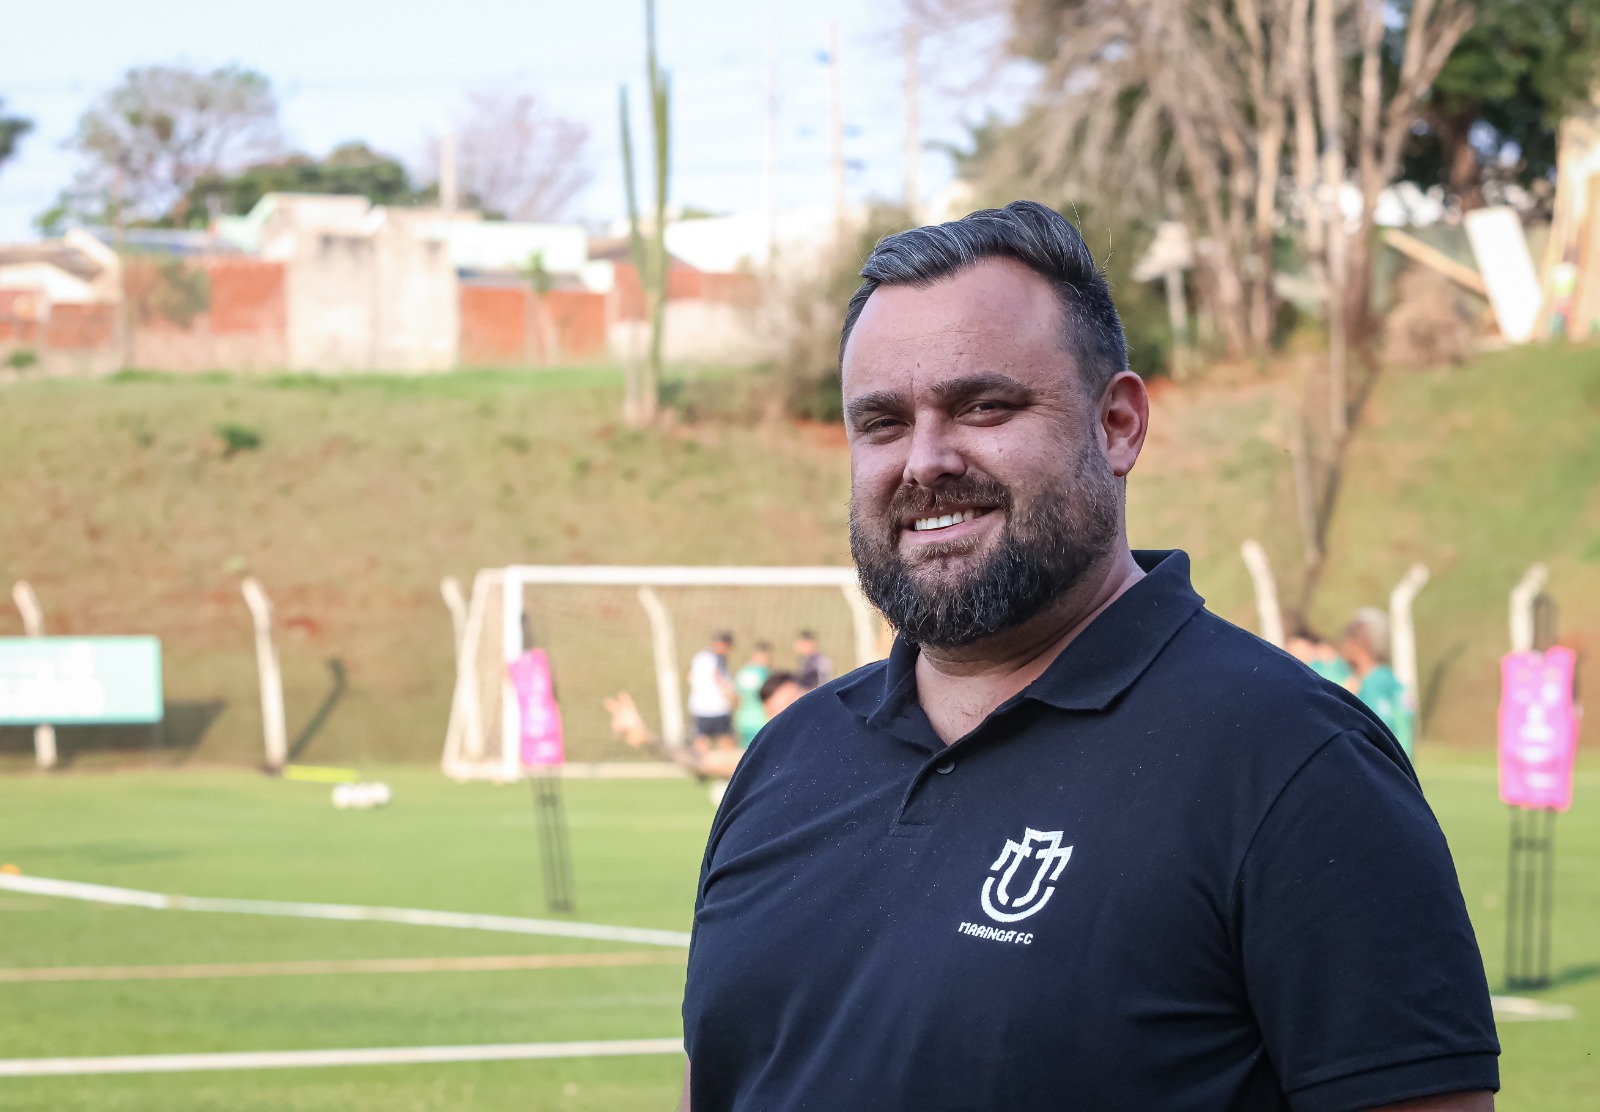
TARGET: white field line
(363,1056)
(475,964)
(508,924)
(1521,1008)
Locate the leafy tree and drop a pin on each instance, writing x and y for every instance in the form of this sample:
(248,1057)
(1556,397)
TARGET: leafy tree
(352,169)
(158,131)
(1504,90)
(12,129)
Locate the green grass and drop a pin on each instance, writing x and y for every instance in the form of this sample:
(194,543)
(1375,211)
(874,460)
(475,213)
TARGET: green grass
(636,846)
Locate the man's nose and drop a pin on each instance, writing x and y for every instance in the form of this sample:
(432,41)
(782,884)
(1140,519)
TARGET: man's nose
(935,457)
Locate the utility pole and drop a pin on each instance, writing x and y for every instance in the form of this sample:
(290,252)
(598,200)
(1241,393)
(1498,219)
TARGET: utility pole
(449,196)
(123,323)
(774,83)
(913,131)
(836,126)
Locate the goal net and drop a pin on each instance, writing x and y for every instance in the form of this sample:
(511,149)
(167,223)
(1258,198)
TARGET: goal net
(612,630)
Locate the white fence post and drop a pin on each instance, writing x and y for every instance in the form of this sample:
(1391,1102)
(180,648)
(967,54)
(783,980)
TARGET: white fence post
(274,732)
(1403,630)
(666,655)
(1266,587)
(44,735)
(1522,596)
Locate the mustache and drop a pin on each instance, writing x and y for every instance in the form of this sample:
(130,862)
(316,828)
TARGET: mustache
(968,490)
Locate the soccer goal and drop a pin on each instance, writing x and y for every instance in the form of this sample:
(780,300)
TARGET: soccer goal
(613,630)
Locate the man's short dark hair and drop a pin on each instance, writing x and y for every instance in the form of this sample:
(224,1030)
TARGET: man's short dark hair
(769,686)
(1034,235)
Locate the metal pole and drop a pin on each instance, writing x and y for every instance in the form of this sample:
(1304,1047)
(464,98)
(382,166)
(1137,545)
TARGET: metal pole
(913,129)
(1547,846)
(554,855)
(836,127)
(774,85)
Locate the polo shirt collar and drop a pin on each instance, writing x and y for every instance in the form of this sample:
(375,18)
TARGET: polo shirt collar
(1099,664)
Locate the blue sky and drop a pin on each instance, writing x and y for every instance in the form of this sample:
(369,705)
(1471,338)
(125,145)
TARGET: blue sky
(393,73)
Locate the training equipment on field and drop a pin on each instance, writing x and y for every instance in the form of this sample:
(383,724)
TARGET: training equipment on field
(607,630)
(361,797)
(1538,742)
(555,856)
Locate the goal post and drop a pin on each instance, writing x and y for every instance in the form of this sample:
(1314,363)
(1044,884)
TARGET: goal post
(610,629)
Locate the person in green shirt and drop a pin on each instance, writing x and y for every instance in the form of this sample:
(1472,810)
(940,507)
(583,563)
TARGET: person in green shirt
(749,716)
(1322,658)
(1366,647)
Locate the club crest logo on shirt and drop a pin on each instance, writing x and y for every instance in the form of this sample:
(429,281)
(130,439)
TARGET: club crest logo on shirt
(1008,896)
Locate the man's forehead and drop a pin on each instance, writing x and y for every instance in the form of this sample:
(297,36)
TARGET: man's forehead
(998,315)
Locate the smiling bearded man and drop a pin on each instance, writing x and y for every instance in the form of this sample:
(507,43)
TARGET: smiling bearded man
(1078,843)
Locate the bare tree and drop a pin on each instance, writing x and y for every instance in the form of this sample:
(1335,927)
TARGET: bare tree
(1205,100)
(1391,91)
(518,157)
(149,138)
(1142,100)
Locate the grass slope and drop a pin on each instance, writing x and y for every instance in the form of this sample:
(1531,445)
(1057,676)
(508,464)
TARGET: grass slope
(123,508)
(636,846)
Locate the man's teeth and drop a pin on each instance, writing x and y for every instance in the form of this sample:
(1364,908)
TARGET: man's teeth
(943,522)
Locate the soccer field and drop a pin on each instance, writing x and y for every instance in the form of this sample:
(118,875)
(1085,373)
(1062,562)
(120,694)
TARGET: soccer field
(178,982)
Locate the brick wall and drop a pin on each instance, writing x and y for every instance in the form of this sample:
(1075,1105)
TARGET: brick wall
(568,326)
(247,296)
(684,283)
(580,323)
(81,327)
(240,324)
(493,325)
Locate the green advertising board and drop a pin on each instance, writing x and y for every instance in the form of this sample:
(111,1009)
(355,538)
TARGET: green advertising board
(66,681)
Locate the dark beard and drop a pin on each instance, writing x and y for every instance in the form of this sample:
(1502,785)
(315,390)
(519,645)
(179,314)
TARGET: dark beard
(1043,551)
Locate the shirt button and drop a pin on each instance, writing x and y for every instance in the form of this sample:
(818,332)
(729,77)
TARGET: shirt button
(947,768)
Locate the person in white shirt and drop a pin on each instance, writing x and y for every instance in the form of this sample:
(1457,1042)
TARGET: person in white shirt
(712,694)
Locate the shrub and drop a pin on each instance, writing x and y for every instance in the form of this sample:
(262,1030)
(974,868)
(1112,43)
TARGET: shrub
(237,438)
(21,359)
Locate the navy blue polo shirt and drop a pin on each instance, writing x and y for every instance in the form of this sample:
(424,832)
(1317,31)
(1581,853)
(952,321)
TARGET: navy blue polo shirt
(1178,872)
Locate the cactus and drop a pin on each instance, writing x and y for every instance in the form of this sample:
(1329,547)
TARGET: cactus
(649,259)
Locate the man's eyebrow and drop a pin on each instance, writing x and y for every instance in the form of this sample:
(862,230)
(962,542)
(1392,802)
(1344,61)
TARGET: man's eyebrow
(987,382)
(879,401)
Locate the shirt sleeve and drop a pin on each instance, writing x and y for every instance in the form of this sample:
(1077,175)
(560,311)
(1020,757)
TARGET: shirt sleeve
(1359,959)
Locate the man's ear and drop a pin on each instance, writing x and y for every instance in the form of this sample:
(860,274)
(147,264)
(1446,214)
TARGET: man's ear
(1124,421)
